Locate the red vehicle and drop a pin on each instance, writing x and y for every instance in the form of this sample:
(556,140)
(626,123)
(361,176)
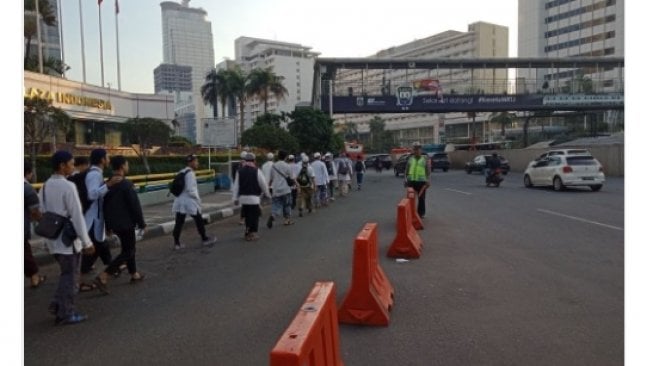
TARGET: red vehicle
(354,150)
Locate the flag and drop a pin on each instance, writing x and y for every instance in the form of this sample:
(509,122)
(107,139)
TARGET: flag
(117,8)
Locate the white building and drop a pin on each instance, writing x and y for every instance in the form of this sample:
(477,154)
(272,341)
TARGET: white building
(291,61)
(570,28)
(188,41)
(96,112)
(482,40)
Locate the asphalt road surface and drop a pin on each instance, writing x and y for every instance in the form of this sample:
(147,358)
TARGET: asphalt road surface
(507,276)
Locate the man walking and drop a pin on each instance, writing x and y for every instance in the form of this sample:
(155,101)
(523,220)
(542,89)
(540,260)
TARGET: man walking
(280,178)
(306,182)
(249,185)
(123,213)
(59,196)
(418,176)
(333,177)
(321,180)
(189,203)
(94,216)
(360,171)
(345,172)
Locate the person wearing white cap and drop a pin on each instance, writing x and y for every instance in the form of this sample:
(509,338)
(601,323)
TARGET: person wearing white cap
(249,185)
(321,180)
(266,168)
(243,154)
(345,172)
(294,169)
(306,181)
(281,180)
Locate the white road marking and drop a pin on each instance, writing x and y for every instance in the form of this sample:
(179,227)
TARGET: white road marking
(453,190)
(580,219)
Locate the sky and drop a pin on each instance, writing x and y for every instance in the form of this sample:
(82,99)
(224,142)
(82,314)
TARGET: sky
(334,28)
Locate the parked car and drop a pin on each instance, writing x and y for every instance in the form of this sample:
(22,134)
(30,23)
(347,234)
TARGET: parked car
(479,163)
(440,161)
(400,164)
(386,161)
(560,171)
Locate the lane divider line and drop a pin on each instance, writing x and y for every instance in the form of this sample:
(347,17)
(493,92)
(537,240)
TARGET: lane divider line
(461,192)
(580,219)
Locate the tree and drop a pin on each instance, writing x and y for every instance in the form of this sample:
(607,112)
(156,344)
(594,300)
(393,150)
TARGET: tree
(42,120)
(351,131)
(380,139)
(313,130)
(146,132)
(237,85)
(29,28)
(269,137)
(504,118)
(50,66)
(215,88)
(536,114)
(261,83)
(271,119)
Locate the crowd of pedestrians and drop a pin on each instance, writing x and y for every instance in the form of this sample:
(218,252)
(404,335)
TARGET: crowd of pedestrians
(95,208)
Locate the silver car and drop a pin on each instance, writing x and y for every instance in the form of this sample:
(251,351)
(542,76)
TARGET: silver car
(560,171)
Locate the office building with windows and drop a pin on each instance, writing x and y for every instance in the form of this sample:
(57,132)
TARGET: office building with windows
(292,61)
(188,41)
(51,44)
(570,28)
(481,40)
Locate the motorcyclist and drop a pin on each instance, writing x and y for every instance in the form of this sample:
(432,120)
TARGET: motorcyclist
(492,164)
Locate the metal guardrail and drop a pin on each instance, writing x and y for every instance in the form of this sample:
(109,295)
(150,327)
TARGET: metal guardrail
(150,182)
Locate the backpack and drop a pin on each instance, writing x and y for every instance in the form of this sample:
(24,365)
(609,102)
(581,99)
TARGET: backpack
(342,168)
(177,185)
(359,166)
(303,178)
(79,180)
(329,166)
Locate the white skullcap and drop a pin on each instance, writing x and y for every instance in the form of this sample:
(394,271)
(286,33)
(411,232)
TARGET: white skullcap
(316,155)
(270,156)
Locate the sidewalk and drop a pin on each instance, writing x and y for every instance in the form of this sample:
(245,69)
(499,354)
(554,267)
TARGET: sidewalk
(160,221)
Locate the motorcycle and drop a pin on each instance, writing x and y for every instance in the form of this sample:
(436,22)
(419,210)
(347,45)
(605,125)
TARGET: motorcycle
(494,178)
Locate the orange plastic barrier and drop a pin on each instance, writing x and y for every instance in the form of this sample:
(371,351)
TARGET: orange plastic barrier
(407,243)
(417,221)
(312,338)
(370,296)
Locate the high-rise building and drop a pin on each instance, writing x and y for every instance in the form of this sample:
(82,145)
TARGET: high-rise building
(188,41)
(50,38)
(482,40)
(173,78)
(291,61)
(570,28)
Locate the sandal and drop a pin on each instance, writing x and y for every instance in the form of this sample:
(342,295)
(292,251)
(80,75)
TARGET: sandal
(41,280)
(86,287)
(288,222)
(102,286)
(140,278)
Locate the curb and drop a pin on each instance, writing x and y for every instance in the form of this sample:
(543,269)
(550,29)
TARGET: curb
(43,257)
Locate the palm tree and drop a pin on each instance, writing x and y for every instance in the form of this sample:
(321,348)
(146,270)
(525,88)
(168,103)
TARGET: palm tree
(29,30)
(237,86)
(503,118)
(264,82)
(214,89)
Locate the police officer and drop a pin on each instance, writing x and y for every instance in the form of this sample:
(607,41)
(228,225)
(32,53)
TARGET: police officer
(418,176)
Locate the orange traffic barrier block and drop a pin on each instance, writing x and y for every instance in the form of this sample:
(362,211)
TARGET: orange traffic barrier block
(312,338)
(370,296)
(416,220)
(407,243)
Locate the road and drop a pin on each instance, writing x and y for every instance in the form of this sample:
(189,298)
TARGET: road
(507,276)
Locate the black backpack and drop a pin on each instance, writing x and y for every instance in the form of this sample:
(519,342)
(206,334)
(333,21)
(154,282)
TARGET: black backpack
(79,180)
(177,185)
(359,166)
(303,178)
(329,166)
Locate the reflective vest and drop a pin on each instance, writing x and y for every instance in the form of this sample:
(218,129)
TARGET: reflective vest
(417,170)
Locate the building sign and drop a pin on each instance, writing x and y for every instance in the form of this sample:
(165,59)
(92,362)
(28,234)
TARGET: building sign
(408,100)
(67,98)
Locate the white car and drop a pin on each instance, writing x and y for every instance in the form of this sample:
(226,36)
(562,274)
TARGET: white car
(562,171)
(560,152)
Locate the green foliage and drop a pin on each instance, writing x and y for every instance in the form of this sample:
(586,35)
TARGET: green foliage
(380,140)
(179,141)
(215,88)
(271,119)
(261,83)
(146,132)
(313,130)
(269,137)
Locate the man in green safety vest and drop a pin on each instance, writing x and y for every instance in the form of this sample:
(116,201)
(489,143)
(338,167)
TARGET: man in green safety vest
(418,176)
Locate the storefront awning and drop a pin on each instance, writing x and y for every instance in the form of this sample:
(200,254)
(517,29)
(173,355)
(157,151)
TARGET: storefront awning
(99,117)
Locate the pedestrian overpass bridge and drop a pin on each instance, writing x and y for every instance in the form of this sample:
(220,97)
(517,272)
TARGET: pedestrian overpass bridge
(370,85)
